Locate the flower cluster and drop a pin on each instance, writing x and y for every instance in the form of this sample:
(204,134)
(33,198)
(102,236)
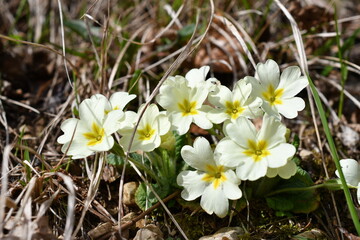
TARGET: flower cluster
(244,153)
(100,118)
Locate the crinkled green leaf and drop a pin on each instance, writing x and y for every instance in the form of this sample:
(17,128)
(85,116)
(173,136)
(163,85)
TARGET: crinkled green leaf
(187,31)
(144,198)
(280,203)
(114,159)
(296,201)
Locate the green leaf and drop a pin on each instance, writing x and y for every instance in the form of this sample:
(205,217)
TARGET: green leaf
(293,195)
(280,203)
(114,159)
(79,27)
(296,141)
(144,198)
(180,141)
(134,82)
(186,31)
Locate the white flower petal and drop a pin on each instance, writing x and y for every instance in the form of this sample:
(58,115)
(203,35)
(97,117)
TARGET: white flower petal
(271,110)
(93,109)
(280,154)
(147,145)
(240,131)
(212,84)
(112,121)
(193,184)
(350,168)
(251,170)
(257,88)
(217,115)
(180,123)
(242,91)
(197,76)
(230,153)
(128,121)
(288,170)
(284,172)
(106,144)
(231,186)
(198,94)
(272,172)
(358,193)
(77,149)
(214,201)
(268,73)
(119,100)
(198,156)
(219,97)
(164,124)
(150,115)
(272,131)
(253,110)
(290,107)
(291,81)
(68,127)
(202,121)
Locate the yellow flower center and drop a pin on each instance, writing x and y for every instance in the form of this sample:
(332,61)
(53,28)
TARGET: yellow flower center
(95,136)
(115,108)
(257,150)
(146,133)
(214,175)
(233,109)
(273,96)
(188,108)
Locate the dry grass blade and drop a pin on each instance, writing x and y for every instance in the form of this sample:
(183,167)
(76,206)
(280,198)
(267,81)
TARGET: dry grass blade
(70,216)
(46,205)
(233,46)
(53,123)
(245,34)
(63,42)
(334,83)
(19,104)
(236,33)
(297,38)
(4,185)
(94,185)
(24,200)
(121,55)
(4,122)
(92,40)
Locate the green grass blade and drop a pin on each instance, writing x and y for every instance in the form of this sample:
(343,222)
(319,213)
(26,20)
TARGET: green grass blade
(335,156)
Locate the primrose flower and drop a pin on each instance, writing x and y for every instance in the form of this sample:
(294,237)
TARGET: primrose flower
(351,170)
(277,92)
(92,132)
(152,125)
(212,181)
(252,152)
(184,104)
(231,105)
